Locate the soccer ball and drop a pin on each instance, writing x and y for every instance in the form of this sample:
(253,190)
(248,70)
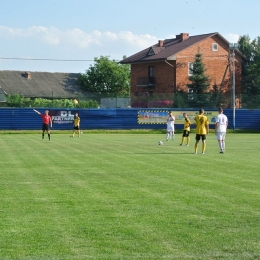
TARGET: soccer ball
(160,143)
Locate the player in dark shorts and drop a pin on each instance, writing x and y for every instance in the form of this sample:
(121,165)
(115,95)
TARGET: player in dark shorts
(202,129)
(46,123)
(186,130)
(76,122)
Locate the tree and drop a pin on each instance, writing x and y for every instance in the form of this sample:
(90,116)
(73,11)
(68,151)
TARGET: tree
(199,85)
(17,101)
(246,47)
(217,99)
(251,71)
(106,77)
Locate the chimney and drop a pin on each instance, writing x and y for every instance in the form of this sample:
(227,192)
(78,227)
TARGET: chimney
(183,36)
(28,75)
(160,42)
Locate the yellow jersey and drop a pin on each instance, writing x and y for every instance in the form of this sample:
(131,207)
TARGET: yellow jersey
(186,124)
(201,122)
(76,121)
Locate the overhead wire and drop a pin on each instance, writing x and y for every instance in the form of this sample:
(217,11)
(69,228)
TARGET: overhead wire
(39,59)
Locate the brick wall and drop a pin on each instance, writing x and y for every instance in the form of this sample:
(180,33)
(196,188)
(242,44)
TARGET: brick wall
(171,79)
(162,71)
(215,63)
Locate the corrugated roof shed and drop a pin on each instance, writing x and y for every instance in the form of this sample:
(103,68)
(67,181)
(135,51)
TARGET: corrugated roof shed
(40,84)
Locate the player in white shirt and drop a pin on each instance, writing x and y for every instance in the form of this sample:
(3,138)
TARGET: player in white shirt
(221,129)
(170,126)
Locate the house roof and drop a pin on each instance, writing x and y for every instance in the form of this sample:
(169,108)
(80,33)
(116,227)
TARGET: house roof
(170,48)
(40,84)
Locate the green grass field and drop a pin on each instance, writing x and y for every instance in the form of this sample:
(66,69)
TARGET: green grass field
(122,196)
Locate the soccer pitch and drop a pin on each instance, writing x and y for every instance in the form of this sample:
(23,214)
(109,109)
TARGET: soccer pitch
(122,196)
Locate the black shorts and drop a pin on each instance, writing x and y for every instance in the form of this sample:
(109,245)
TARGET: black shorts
(45,127)
(203,137)
(76,127)
(186,133)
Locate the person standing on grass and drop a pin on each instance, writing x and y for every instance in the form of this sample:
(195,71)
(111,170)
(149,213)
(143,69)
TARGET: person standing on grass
(186,130)
(46,123)
(170,126)
(221,129)
(76,122)
(202,129)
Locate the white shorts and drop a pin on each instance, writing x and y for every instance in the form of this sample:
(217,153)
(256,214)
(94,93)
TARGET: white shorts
(170,128)
(220,135)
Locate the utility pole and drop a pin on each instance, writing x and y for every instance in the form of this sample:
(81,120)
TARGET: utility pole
(233,47)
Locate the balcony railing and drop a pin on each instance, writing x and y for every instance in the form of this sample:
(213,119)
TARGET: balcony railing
(146,81)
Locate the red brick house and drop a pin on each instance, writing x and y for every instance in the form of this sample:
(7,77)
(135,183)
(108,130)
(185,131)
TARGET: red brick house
(164,67)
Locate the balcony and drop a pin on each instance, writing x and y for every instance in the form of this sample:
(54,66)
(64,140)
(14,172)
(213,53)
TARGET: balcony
(146,82)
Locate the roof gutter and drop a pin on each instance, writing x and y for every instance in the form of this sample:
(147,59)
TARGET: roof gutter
(169,63)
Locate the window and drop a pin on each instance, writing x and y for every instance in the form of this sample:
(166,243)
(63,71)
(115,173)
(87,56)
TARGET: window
(214,47)
(150,75)
(150,71)
(151,52)
(190,68)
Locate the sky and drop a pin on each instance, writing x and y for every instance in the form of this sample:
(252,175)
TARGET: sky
(66,35)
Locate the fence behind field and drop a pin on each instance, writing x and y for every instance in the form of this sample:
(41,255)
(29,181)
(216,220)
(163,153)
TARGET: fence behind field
(132,118)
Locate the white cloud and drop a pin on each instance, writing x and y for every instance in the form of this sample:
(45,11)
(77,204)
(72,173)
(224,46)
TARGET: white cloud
(77,38)
(110,36)
(72,44)
(140,41)
(7,32)
(48,35)
(171,36)
(233,38)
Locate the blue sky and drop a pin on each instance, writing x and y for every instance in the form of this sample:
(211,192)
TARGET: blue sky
(84,29)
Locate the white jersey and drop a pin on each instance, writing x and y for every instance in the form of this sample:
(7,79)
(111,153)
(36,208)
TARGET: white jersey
(221,121)
(170,123)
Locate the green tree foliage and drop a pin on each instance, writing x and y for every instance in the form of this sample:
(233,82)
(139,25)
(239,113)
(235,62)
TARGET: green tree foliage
(217,98)
(200,97)
(180,99)
(106,77)
(87,104)
(251,71)
(18,101)
(246,47)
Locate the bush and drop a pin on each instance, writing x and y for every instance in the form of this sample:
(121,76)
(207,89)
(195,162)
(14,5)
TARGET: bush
(161,103)
(139,103)
(18,101)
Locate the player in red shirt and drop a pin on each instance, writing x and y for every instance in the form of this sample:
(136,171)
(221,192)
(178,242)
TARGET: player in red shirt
(46,123)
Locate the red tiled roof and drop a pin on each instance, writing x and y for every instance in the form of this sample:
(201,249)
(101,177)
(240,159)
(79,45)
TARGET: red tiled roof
(170,47)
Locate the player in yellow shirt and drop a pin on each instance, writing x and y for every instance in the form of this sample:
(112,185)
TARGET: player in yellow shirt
(202,129)
(186,130)
(76,122)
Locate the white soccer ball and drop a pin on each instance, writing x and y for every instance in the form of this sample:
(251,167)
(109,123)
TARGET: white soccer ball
(160,143)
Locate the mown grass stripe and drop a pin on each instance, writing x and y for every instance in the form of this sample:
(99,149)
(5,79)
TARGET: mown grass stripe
(122,196)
